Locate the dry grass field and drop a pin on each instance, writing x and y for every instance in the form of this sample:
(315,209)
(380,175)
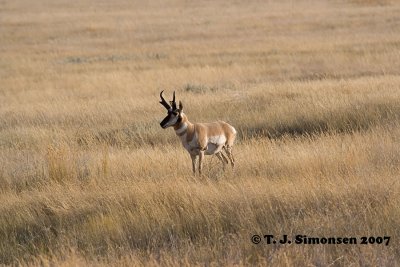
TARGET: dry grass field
(89,178)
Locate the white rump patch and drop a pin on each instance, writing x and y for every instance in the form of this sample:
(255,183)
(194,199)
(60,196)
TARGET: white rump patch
(233,129)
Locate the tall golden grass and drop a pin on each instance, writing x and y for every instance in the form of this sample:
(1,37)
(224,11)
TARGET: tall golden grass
(87,176)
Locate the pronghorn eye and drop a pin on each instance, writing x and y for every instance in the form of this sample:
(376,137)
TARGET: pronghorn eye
(175,113)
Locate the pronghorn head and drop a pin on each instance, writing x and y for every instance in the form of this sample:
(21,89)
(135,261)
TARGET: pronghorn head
(174,116)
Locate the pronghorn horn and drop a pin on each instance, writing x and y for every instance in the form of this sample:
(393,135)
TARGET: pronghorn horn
(173,103)
(163,102)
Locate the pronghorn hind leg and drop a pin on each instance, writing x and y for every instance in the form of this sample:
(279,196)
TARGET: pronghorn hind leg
(222,158)
(228,150)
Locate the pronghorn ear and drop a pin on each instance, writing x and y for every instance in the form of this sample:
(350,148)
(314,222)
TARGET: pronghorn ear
(180,106)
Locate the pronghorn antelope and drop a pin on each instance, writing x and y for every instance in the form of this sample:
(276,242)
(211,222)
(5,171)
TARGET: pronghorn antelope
(200,139)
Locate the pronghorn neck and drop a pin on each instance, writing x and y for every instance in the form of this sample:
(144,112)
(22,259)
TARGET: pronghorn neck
(182,127)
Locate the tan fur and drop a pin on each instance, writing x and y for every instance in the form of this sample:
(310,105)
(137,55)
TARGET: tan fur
(197,139)
(200,139)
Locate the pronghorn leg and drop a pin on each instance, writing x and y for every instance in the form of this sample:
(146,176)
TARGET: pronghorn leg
(194,159)
(228,150)
(201,157)
(223,159)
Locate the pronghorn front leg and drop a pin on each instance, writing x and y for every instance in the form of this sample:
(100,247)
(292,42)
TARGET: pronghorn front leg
(194,158)
(201,157)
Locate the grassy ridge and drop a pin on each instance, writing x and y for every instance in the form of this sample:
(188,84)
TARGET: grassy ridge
(87,176)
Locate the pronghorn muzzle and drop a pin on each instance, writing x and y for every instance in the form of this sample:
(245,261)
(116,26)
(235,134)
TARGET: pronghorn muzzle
(164,123)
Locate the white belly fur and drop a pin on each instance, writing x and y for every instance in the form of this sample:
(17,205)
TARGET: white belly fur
(213,148)
(217,140)
(214,144)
